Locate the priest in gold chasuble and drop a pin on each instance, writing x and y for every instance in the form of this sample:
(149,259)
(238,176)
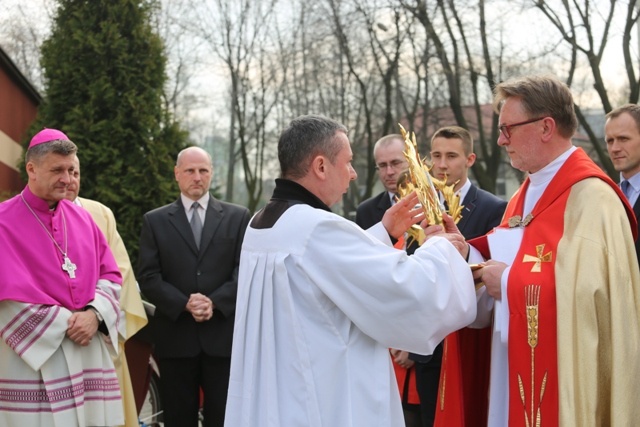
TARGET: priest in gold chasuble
(562,287)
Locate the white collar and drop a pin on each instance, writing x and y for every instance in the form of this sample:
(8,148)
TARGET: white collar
(464,190)
(634,181)
(548,172)
(541,179)
(187,202)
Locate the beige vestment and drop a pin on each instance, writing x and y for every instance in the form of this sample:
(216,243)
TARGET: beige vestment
(130,301)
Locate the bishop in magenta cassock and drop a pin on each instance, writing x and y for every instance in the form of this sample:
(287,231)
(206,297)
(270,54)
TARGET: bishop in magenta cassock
(59,289)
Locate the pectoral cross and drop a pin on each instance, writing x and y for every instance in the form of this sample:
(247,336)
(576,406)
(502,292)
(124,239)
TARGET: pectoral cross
(69,267)
(538,259)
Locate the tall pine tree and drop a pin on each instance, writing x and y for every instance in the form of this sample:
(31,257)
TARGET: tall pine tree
(104,69)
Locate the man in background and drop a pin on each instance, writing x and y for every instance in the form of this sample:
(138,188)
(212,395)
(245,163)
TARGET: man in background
(390,164)
(189,256)
(622,134)
(133,317)
(464,377)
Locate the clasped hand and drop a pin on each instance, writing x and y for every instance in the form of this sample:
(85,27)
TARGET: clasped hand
(401,357)
(491,272)
(200,307)
(82,326)
(407,212)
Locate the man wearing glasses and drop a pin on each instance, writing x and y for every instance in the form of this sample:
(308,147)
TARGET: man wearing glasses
(562,287)
(390,163)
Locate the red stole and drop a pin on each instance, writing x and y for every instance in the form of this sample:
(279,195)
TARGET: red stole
(406,378)
(533,368)
(464,379)
(532,351)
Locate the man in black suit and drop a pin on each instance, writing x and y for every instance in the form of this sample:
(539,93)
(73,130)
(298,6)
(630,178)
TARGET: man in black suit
(622,134)
(188,268)
(452,155)
(390,163)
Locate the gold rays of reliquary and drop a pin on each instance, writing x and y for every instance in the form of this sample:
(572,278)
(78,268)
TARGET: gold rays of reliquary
(426,186)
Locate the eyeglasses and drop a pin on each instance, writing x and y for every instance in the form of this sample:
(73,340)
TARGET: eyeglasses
(506,129)
(394,164)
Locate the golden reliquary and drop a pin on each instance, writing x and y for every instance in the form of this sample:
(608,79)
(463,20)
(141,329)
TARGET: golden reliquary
(418,178)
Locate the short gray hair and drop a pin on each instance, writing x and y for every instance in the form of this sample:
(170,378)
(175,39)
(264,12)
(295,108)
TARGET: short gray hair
(541,96)
(305,138)
(59,146)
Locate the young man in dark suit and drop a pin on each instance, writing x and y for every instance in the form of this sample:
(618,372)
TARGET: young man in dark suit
(452,155)
(622,134)
(188,268)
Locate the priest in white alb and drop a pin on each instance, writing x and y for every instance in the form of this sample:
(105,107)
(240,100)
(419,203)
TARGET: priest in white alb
(320,301)
(59,288)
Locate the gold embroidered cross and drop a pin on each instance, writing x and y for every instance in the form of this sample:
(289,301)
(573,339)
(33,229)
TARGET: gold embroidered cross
(538,259)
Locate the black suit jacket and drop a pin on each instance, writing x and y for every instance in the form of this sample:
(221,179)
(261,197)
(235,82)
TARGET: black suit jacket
(481,212)
(370,211)
(171,268)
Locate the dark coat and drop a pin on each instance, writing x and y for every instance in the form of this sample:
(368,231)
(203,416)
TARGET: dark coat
(370,211)
(481,212)
(171,268)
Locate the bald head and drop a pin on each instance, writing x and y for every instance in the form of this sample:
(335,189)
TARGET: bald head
(193,172)
(191,153)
